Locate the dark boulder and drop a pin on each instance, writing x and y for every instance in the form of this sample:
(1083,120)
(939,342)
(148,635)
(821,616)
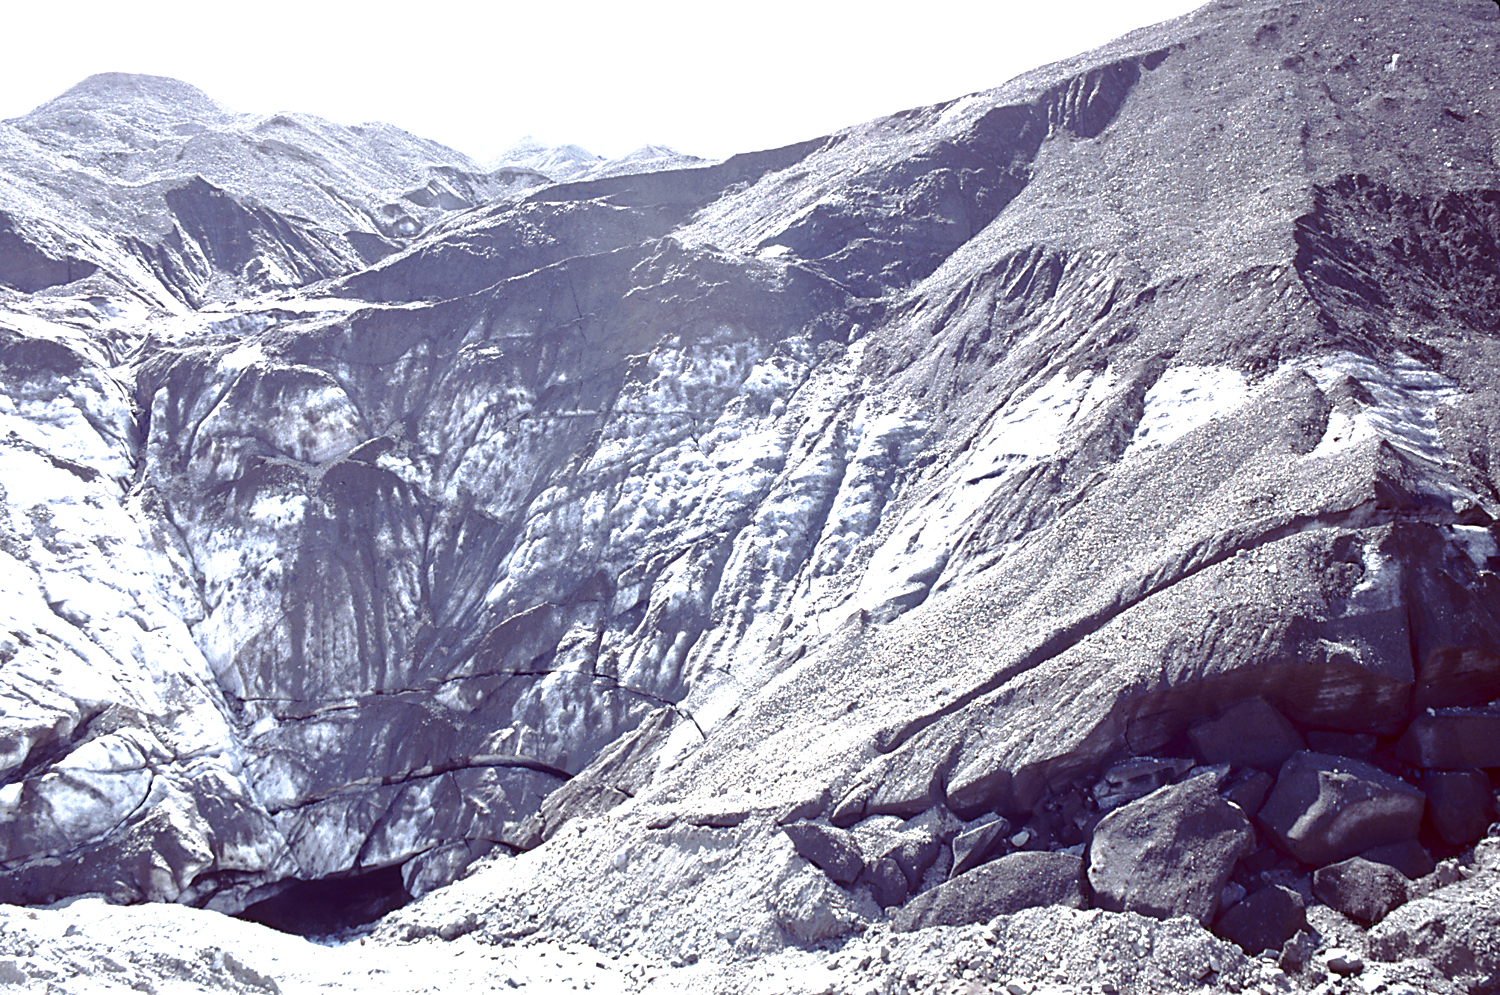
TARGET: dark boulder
(1361,889)
(1326,808)
(833,851)
(1169,853)
(1460,804)
(1265,920)
(1251,733)
(1012,883)
(1452,739)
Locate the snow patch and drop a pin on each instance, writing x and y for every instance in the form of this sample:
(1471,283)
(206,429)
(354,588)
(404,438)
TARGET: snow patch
(1183,399)
(243,356)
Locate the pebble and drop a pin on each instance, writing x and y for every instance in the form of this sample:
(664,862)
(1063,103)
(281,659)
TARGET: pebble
(1345,962)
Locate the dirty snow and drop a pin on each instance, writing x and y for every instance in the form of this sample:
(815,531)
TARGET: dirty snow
(1184,398)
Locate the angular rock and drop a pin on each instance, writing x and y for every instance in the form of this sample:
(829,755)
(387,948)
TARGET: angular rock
(1408,857)
(914,855)
(1460,804)
(975,846)
(1326,808)
(1169,853)
(1136,778)
(1265,920)
(1251,733)
(1249,791)
(833,851)
(1012,883)
(1452,739)
(1297,952)
(887,881)
(1361,889)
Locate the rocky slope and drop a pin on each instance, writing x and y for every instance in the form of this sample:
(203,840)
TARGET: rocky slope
(1071,504)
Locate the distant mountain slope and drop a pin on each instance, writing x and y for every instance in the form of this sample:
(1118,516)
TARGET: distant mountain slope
(569,163)
(168,194)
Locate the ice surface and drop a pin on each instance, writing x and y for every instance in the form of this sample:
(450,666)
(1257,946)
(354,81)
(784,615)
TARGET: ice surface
(1184,398)
(1406,397)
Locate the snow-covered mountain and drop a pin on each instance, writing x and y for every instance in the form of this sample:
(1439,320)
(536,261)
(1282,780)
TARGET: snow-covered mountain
(981,547)
(569,163)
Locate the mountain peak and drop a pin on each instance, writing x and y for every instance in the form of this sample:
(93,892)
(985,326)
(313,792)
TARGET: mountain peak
(147,97)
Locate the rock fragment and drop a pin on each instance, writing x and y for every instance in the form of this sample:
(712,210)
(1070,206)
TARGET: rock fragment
(1012,883)
(1361,889)
(975,846)
(833,851)
(914,855)
(1136,778)
(1297,952)
(1169,853)
(1345,962)
(1325,808)
(1249,791)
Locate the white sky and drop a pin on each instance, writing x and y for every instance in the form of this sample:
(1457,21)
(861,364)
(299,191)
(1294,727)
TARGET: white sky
(711,79)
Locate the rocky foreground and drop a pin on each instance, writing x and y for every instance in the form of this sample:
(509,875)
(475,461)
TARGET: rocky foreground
(1044,539)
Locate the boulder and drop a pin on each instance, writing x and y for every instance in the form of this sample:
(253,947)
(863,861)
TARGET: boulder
(1361,889)
(975,846)
(1452,739)
(1251,733)
(1001,887)
(833,851)
(1326,808)
(1169,853)
(1460,804)
(1408,857)
(1454,927)
(1265,920)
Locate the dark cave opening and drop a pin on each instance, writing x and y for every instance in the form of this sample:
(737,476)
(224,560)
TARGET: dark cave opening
(328,905)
